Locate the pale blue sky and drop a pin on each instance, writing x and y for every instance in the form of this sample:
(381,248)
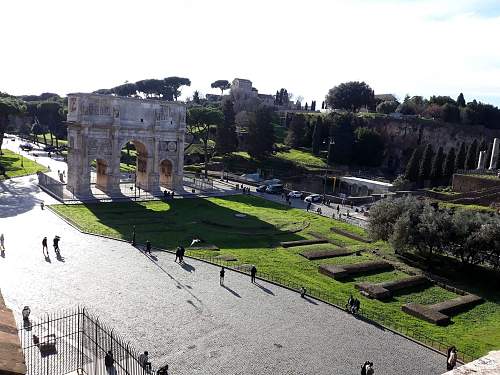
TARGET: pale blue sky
(420,47)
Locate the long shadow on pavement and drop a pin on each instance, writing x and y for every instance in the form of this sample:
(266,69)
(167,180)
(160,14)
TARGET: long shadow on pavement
(231,291)
(268,291)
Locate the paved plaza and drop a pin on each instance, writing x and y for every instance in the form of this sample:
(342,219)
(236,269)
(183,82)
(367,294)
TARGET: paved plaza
(181,314)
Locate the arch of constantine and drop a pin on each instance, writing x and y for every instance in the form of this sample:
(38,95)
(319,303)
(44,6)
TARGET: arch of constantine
(99,126)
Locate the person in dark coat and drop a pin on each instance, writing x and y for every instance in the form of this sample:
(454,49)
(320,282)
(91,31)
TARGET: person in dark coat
(451,359)
(109,361)
(148,247)
(221,280)
(177,253)
(253,272)
(45,247)
(55,242)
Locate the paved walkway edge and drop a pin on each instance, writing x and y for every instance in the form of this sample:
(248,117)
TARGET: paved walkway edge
(366,320)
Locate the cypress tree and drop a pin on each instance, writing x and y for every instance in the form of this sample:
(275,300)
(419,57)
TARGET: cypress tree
(471,158)
(316,138)
(461,100)
(437,166)
(426,164)
(460,158)
(412,168)
(449,164)
(296,131)
(226,139)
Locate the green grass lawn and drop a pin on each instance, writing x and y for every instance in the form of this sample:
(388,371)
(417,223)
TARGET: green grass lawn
(285,161)
(255,240)
(12,164)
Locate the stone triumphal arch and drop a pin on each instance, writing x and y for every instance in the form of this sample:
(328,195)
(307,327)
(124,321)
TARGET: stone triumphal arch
(99,126)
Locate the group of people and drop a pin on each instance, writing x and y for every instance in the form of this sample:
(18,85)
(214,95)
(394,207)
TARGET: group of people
(353,305)
(55,243)
(367,368)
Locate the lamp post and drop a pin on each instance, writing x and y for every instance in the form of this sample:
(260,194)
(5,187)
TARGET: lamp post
(331,142)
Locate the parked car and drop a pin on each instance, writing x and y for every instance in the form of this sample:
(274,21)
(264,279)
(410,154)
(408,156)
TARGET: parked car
(26,147)
(313,198)
(50,149)
(261,189)
(295,194)
(274,189)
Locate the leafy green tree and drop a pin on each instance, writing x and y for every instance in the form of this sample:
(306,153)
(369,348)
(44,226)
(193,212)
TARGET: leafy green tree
(471,157)
(260,138)
(369,147)
(413,166)
(437,166)
(450,113)
(461,100)
(317,135)
(441,100)
(199,121)
(296,131)
(406,109)
(424,171)
(342,131)
(8,106)
(385,213)
(460,159)
(387,107)
(350,96)
(221,84)
(227,141)
(449,165)
(51,116)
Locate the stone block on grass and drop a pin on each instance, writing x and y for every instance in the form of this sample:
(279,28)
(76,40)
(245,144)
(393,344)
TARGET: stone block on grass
(302,242)
(457,305)
(326,253)
(425,313)
(339,272)
(382,291)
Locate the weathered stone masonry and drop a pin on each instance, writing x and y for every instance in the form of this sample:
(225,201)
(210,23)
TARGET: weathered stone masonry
(99,126)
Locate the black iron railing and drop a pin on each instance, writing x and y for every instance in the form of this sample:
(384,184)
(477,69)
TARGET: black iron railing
(76,340)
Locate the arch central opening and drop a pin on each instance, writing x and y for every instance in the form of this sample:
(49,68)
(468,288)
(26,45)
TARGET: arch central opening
(134,166)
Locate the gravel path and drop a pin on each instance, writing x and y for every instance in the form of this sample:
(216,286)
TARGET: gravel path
(181,314)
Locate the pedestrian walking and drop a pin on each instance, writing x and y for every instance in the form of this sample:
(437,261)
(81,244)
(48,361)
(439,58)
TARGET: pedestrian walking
(451,359)
(109,361)
(303,292)
(2,241)
(42,205)
(45,247)
(144,361)
(177,253)
(148,247)
(253,272)
(55,243)
(221,279)
(308,206)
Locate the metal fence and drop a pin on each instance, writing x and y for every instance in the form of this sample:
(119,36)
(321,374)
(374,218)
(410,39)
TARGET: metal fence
(198,183)
(329,297)
(76,340)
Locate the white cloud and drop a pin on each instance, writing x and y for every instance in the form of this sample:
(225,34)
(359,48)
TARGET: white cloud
(417,47)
